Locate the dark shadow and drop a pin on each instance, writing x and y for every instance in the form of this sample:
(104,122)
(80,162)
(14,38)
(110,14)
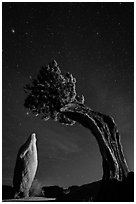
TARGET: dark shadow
(117,191)
(7,192)
(52,192)
(103,191)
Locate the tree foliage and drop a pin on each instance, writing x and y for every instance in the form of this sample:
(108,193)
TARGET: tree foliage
(50,92)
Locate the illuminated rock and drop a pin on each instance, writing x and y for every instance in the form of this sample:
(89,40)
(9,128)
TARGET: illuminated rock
(25,168)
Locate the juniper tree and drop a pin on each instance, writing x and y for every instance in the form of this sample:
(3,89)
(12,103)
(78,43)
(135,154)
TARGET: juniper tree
(50,92)
(53,95)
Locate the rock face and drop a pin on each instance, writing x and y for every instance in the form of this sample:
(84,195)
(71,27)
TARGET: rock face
(25,168)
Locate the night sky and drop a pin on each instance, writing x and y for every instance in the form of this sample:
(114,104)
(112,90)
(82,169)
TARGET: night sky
(94,42)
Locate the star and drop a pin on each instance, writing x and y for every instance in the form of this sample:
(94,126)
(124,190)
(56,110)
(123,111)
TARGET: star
(27,22)
(13,30)
(26,33)
(115,80)
(59,52)
(27,113)
(97,33)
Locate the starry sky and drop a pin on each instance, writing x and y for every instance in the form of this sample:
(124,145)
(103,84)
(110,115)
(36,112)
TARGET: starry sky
(94,42)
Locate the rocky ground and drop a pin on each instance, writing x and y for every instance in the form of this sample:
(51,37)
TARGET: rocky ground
(31,199)
(99,191)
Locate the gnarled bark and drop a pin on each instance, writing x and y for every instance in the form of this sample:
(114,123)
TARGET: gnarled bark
(106,133)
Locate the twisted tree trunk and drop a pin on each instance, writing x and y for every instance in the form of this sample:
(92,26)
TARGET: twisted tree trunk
(105,131)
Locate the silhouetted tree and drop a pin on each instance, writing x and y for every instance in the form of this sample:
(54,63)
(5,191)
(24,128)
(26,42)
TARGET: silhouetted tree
(50,92)
(53,95)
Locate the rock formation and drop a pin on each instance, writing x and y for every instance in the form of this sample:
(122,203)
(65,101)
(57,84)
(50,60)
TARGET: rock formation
(25,168)
(105,131)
